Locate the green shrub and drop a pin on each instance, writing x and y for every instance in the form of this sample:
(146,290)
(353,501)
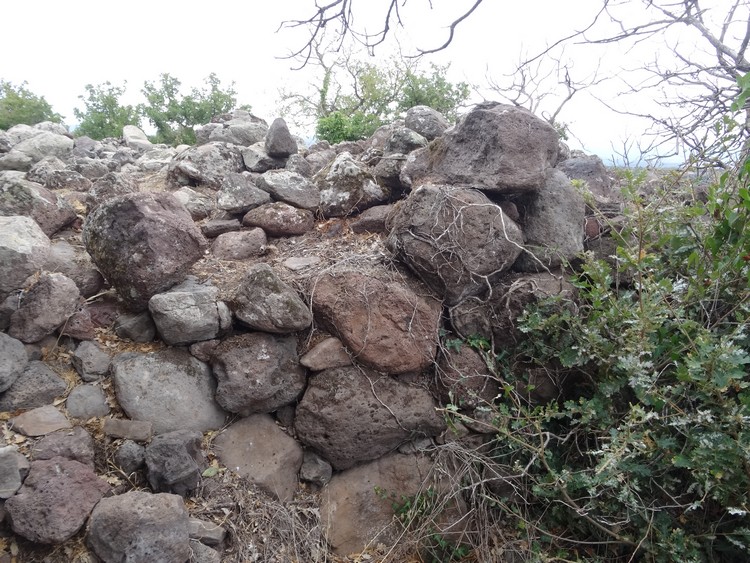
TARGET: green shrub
(339,126)
(18,105)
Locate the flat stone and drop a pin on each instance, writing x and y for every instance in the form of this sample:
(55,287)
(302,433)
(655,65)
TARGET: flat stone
(329,353)
(206,532)
(137,430)
(39,421)
(87,401)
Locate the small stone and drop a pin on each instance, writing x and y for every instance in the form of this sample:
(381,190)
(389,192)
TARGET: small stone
(206,532)
(315,469)
(13,469)
(37,386)
(138,430)
(130,456)
(296,263)
(138,327)
(91,361)
(200,553)
(330,353)
(40,421)
(75,444)
(87,401)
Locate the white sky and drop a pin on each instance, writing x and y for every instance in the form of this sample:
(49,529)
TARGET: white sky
(60,46)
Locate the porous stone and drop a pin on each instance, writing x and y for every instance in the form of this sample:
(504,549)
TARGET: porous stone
(46,306)
(14,361)
(73,443)
(40,421)
(87,401)
(24,249)
(174,462)
(90,361)
(37,386)
(239,245)
(280,219)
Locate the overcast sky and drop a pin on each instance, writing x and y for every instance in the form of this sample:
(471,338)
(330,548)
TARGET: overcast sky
(60,46)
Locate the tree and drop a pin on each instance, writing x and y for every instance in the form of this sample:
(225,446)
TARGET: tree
(175,115)
(354,97)
(19,105)
(103,115)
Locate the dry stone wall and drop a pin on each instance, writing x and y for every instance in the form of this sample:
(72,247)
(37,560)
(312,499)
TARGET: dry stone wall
(250,306)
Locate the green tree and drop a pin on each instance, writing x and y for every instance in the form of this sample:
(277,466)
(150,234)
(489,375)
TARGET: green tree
(433,90)
(19,105)
(175,115)
(103,115)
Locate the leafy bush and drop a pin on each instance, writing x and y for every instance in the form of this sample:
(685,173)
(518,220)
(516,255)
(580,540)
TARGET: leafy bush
(339,126)
(103,115)
(18,105)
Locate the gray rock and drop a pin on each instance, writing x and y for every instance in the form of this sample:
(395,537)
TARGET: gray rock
(257,373)
(189,312)
(14,361)
(67,180)
(21,197)
(75,263)
(370,317)
(495,147)
(198,205)
(37,386)
(46,306)
(346,187)
(239,194)
(215,227)
(239,132)
(403,140)
(350,415)
(371,220)
(87,401)
(143,244)
(464,380)
(137,430)
(279,141)
(42,144)
(138,327)
(205,165)
(201,553)
(155,159)
(156,387)
(110,186)
(280,219)
(24,249)
(130,456)
(174,462)
(39,421)
(426,121)
(256,159)
(591,170)
(74,443)
(256,448)
(41,171)
(13,470)
(135,138)
(206,532)
(264,302)
(90,361)
(553,225)
(456,240)
(140,526)
(89,167)
(291,188)
(239,245)
(315,469)
(55,500)
(299,164)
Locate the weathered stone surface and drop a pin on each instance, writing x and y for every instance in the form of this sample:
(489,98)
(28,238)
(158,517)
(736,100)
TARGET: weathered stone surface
(346,186)
(315,469)
(319,156)
(110,186)
(257,373)
(135,138)
(356,515)
(349,415)
(189,312)
(256,159)
(174,462)
(156,387)
(264,302)
(207,532)
(279,141)
(239,194)
(496,318)
(298,164)
(130,456)
(67,180)
(205,165)
(43,168)
(37,386)
(137,430)
(24,248)
(14,360)
(256,448)
(143,244)
(464,380)
(239,245)
(74,443)
(371,220)
(329,353)
(46,306)
(138,327)
(426,121)
(291,188)
(75,263)
(89,167)
(590,169)
(21,197)
(495,147)
(35,148)
(280,219)
(385,325)
(90,361)
(215,227)
(403,140)
(55,500)
(87,401)
(243,129)
(140,526)
(13,470)
(198,205)
(39,421)
(456,240)
(553,225)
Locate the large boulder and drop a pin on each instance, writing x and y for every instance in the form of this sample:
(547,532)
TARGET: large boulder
(456,240)
(24,249)
(495,147)
(143,244)
(257,373)
(590,169)
(346,186)
(46,306)
(280,219)
(553,224)
(426,121)
(205,165)
(386,326)
(21,197)
(55,500)
(291,188)
(279,142)
(140,526)
(351,415)
(256,448)
(35,148)
(156,387)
